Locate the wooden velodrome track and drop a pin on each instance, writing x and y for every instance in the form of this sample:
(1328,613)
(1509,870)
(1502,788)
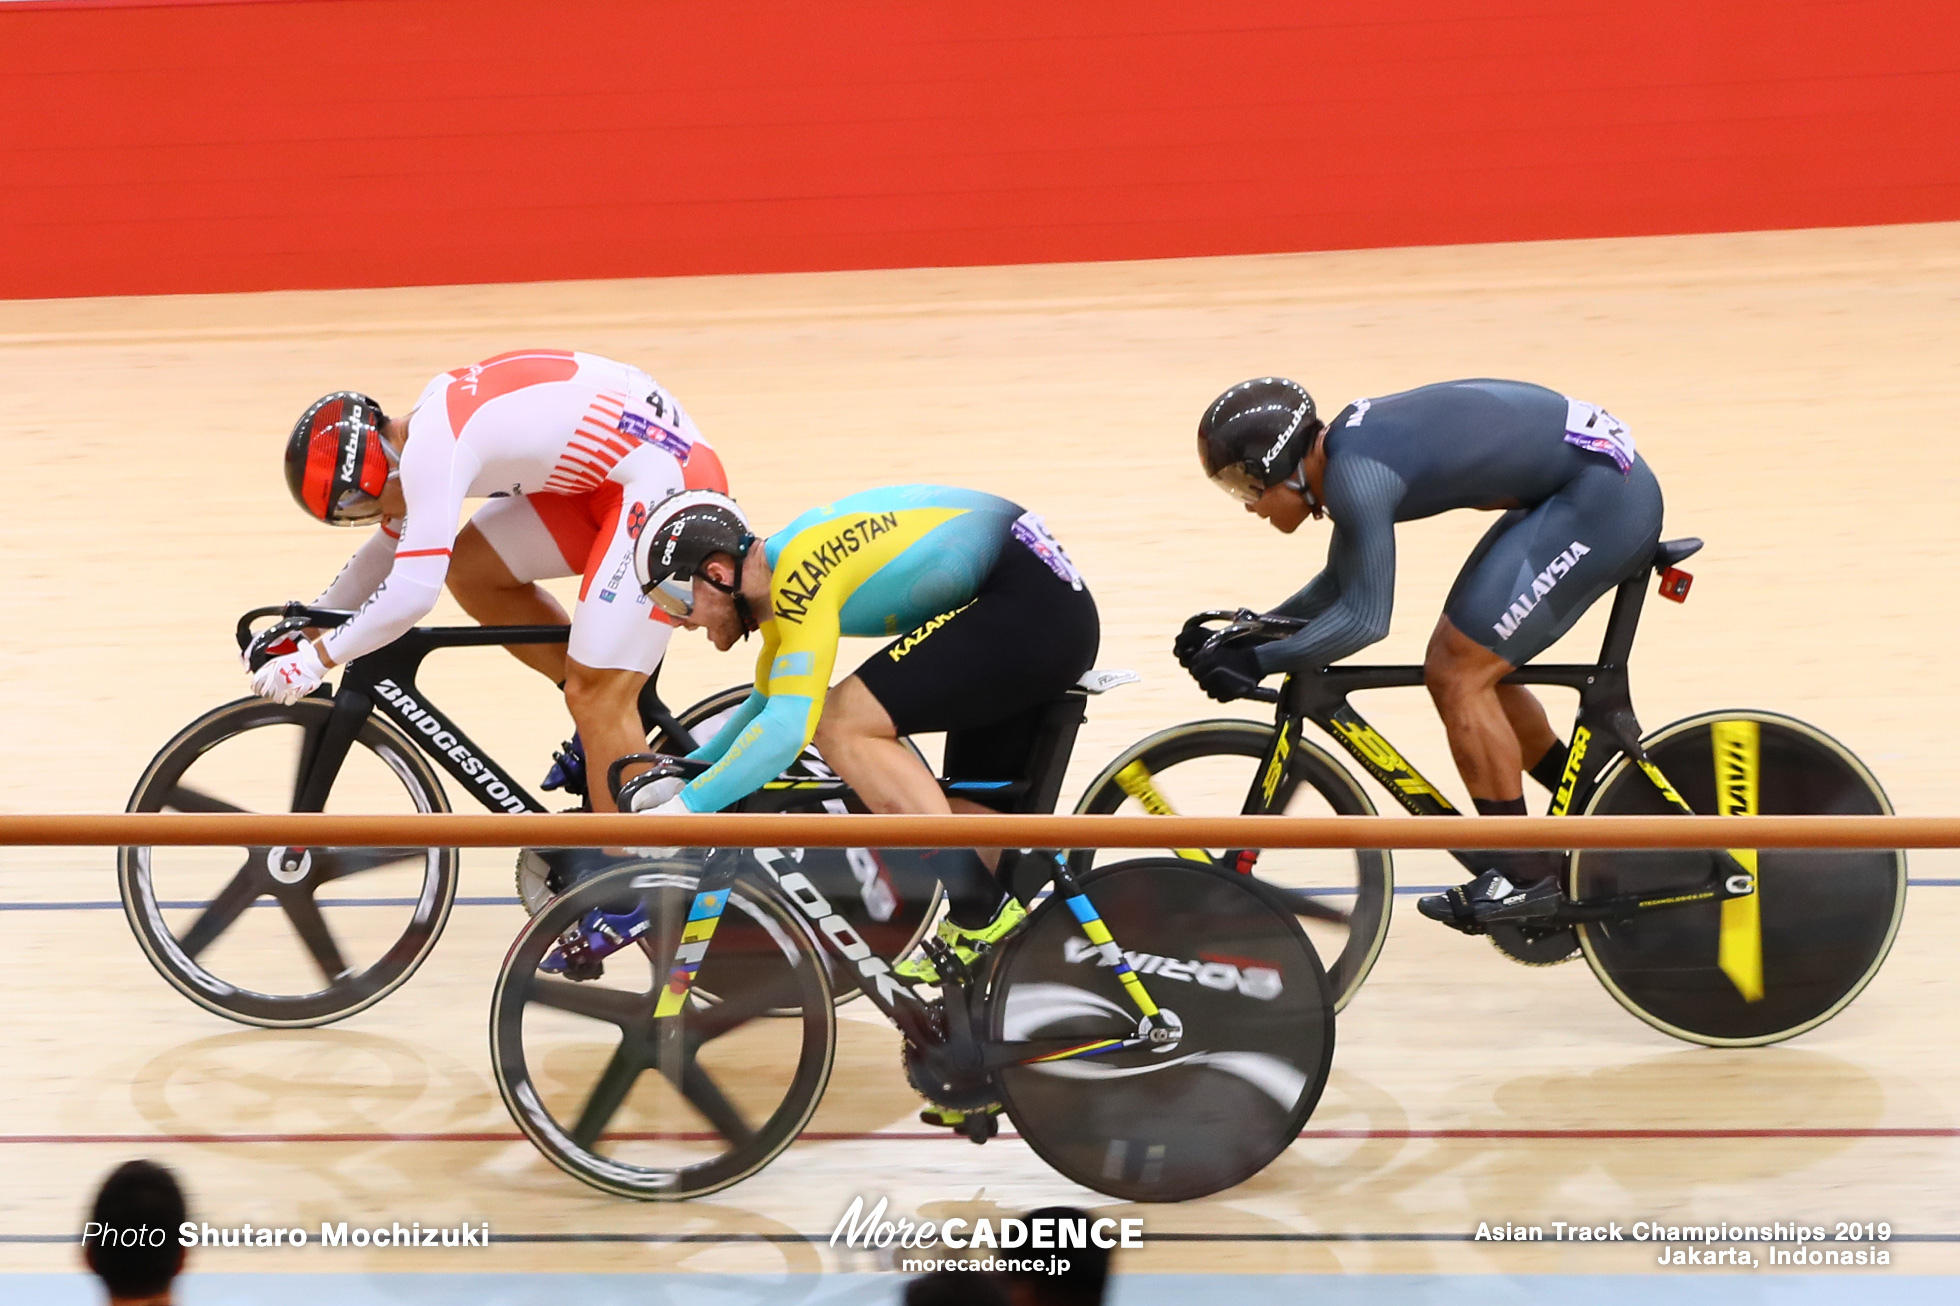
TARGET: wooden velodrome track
(1795,393)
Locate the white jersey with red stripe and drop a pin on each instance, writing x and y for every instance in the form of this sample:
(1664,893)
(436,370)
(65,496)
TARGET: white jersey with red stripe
(539,421)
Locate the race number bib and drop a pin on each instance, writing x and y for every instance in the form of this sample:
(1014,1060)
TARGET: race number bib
(1033,532)
(656,420)
(1594,429)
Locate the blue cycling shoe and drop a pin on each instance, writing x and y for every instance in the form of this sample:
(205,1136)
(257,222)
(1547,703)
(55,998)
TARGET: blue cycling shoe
(582,950)
(568,768)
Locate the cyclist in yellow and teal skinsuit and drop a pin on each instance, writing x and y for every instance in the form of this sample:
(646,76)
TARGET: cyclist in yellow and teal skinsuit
(988,621)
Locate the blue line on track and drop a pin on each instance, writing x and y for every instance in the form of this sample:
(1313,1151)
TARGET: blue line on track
(189,904)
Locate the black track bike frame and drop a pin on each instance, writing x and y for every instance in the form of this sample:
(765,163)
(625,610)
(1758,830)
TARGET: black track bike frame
(1604,728)
(384,681)
(947,1032)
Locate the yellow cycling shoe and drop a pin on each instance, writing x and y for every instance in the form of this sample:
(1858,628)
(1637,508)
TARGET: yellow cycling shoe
(966,944)
(977,1125)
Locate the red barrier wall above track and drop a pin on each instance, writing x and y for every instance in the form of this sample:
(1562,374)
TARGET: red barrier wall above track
(257,144)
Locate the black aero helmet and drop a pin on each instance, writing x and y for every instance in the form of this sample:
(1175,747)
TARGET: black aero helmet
(1255,434)
(683,531)
(336,460)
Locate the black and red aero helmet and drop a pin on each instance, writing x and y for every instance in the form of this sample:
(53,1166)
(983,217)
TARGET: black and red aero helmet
(1254,435)
(336,460)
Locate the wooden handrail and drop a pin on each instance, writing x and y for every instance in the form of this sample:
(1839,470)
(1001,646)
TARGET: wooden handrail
(470,830)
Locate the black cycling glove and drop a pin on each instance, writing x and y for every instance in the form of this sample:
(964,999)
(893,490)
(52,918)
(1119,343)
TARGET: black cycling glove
(1187,642)
(1227,673)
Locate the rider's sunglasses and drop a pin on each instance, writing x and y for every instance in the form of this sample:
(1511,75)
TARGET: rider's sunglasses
(1238,481)
(673,597)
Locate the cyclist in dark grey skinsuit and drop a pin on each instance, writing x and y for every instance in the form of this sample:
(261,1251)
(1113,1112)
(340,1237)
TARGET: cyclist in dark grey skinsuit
(1581,512)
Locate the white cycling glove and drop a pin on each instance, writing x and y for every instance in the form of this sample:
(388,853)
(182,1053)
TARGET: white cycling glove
(289,678)
(658,793)
(671,806)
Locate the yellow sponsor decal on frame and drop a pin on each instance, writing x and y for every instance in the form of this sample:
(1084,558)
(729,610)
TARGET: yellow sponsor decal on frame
(1667,790)
(1562,801)
(1378,753)
(1282,749)
(1738,768)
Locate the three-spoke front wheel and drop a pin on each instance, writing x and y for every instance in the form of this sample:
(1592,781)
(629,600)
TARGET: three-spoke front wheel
(665,1107)
(285,937)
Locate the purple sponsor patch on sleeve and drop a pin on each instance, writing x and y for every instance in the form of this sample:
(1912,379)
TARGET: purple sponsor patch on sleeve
(640,427)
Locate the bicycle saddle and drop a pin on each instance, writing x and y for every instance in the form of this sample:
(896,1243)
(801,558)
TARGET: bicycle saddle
(1670,553)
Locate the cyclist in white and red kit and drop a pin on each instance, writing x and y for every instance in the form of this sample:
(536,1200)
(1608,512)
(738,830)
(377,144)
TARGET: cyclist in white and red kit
(572,450)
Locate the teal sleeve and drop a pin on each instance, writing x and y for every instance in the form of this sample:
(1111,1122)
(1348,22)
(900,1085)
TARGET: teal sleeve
(715,748)
(758,755)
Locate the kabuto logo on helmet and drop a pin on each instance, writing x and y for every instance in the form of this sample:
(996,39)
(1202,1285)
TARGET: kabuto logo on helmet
(336,461)
(351,454)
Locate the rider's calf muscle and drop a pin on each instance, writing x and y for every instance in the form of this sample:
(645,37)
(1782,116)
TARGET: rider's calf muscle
(1482,723)
(604,702)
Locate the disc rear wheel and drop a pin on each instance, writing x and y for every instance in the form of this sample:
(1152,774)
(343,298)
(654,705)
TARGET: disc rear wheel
(1228,961)
(1820,922)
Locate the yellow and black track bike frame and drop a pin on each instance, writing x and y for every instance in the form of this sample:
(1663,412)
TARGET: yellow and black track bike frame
(1605,728)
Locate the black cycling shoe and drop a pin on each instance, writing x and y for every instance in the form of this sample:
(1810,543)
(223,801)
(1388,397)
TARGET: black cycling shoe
(1489,898)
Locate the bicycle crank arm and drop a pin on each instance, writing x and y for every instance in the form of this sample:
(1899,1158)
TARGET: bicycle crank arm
(1625,906)
(1034,1051)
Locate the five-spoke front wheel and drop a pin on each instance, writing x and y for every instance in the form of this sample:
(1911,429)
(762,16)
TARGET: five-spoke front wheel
(277,936)
(660,1107)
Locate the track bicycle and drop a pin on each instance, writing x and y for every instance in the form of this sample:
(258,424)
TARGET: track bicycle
(1728,947)
(1158,1030)
(364,918)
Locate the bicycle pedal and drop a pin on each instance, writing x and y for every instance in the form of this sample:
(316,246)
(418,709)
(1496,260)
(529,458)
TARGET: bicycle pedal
(947,962)
(581,967)
(979,1126)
